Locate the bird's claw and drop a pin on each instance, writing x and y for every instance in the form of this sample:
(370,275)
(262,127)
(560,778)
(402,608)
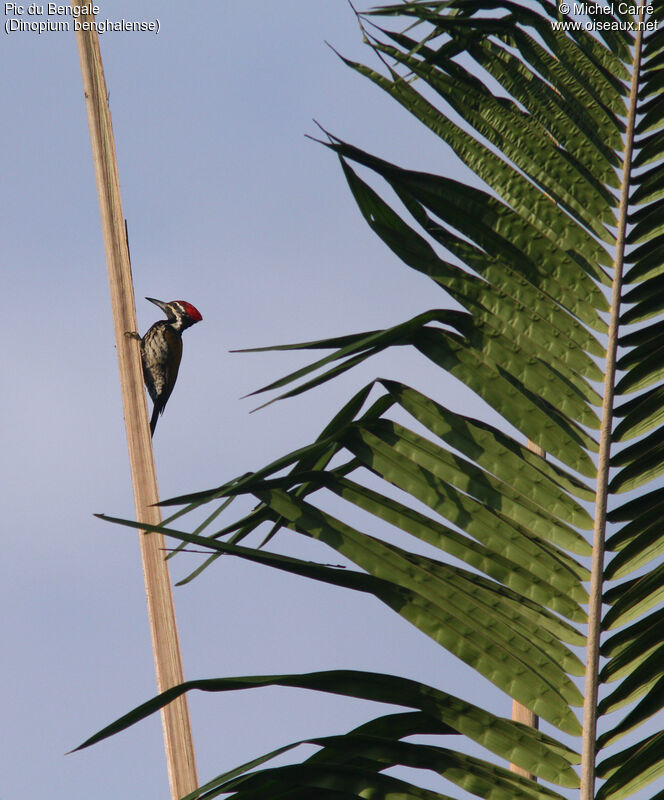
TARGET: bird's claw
(132,335)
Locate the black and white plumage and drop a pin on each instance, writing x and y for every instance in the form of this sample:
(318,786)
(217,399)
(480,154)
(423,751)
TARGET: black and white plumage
(161,352)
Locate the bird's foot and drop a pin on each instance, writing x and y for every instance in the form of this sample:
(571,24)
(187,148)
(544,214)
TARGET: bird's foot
(133,335)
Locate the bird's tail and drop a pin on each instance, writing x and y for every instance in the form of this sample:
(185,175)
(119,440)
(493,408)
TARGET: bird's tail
(155,417)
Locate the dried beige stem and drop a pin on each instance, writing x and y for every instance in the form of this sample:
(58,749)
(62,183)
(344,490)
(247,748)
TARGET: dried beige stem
(161,613)
(519,712)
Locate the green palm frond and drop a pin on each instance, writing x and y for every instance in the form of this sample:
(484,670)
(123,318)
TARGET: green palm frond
(554,261)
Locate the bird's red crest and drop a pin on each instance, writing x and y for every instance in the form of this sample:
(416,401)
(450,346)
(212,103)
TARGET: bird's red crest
(191,311)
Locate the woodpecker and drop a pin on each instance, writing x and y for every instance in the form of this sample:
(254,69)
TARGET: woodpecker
(161,351)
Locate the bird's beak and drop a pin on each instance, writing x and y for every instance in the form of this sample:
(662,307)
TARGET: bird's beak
(159,303)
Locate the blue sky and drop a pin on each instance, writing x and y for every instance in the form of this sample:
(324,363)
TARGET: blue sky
(230,207)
